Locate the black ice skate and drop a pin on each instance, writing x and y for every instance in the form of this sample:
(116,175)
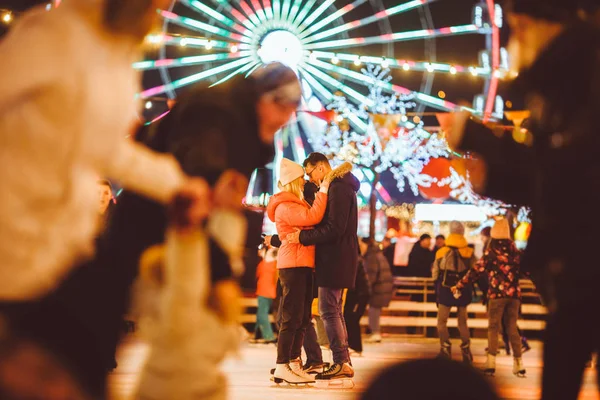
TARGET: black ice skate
(337,375)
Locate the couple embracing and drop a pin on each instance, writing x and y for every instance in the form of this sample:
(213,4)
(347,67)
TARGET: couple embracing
(317,241)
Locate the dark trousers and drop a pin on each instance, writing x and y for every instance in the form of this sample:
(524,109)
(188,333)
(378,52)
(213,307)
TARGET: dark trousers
(354,309)
(573,330)
(294,311)
(314,355)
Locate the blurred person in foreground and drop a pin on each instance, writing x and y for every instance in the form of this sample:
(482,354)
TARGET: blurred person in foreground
(557,55)
(67,105)
(221,134)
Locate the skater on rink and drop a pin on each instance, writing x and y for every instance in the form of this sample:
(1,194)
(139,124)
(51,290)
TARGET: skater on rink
(501,263)
(555,53)
(295,264)
(451,264)
(336,241)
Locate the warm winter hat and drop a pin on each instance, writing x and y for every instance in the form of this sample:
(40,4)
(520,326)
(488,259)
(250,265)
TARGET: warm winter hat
(289,171)
(501,229)
(457,228)
(550,10)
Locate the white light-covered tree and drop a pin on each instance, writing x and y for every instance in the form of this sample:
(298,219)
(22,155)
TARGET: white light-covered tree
(378,136)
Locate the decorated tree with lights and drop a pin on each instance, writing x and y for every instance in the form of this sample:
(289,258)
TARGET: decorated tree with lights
(377,136)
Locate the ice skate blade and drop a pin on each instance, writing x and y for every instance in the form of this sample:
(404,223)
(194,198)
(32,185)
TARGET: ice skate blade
(279,381)
(338,383)
(489,372)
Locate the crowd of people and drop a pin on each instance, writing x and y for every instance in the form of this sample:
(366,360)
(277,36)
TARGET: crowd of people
(178,232)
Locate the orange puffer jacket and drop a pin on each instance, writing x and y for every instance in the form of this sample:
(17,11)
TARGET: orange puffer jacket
(289,212)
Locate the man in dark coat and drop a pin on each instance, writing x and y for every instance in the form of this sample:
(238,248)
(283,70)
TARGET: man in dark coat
(221,134)
(336,257)
(421,257)
(558,58)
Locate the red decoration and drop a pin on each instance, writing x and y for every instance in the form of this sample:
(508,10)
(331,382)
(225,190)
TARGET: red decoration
(437,168)
(326,115)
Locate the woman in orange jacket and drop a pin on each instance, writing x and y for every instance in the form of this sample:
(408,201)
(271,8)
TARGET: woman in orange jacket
(296,264)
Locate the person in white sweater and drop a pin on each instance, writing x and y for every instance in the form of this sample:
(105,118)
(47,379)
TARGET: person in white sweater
(67,104)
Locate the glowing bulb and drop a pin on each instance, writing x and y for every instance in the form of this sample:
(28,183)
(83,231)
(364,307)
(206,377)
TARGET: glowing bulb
(442,94)
(357,62)
(335,60)
(406,67)
(339,118)
(148,105)
(385,64)
(154,39)
(453,70)
(474,71)
(48,7)
(208,45)
(430,68)
(7,17)
(404,118)
(233,49)
(312,56)
(416,119)
(183,42)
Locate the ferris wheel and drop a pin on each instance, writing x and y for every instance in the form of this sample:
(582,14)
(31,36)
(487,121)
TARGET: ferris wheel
(316,38)
(323,41)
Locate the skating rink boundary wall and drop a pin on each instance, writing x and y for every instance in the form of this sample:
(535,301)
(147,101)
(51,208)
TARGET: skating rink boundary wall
(413,310)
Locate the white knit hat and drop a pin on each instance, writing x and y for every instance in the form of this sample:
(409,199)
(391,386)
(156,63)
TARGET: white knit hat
(289,171)
(457,228)
(501,229)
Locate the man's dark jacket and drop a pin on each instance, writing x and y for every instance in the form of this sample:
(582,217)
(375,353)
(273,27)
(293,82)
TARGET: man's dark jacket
(336,237)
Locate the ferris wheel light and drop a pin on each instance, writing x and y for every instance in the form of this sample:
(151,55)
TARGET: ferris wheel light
(335,60)
(385,64)
(233,49)
(183,42)
(453,70)
(474,71)
(154,39)
(281,46)
(148,105)
(208,45)
(404,118)
(312,56)
(7,17)
(357,62)
(406,67)
(430,68)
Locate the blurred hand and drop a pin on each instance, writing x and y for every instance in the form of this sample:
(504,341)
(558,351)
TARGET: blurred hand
(454,289)
(230,190)
(190,205)
(326,182)
(454,127)
(268,240)
(294,238)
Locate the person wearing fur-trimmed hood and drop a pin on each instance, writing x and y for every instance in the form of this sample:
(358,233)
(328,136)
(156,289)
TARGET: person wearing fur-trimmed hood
(336,243)
(451,263)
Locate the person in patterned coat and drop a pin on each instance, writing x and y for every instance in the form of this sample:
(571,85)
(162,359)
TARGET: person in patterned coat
(501,263)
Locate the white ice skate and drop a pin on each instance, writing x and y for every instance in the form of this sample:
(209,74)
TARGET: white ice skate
(490,366)
(337,376)
(284,373)
(518,367)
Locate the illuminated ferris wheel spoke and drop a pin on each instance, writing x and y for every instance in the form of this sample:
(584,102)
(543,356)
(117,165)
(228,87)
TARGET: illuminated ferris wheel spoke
(294,11)
(202,27)
(194,78)
(400,8)
(250,13)
(431,101)
(304,12)
(194,42)
(240,70)
(326,96)
(285,9)
(276,5)
(407,65)
(234,13)
(268,10)
(316,14)
(198,6)
(336,84)
(339,13)
(186,61)
(259,10)
(400,36)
